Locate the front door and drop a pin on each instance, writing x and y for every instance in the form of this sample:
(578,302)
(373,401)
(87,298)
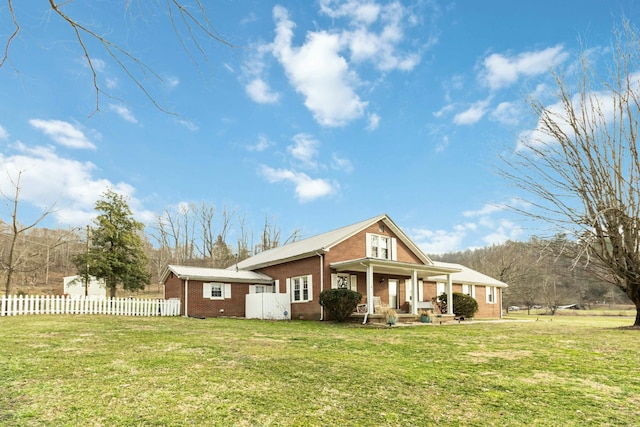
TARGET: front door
(393,293)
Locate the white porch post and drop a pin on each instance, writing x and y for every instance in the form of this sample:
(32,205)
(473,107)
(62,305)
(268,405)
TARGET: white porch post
(449,295)
(370,289)
(414,292)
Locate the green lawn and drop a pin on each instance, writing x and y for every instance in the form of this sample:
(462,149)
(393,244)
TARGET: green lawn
(109,371)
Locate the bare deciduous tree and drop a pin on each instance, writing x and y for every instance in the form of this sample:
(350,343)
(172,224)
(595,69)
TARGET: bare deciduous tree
(188,17)
(14,257)
(580,165)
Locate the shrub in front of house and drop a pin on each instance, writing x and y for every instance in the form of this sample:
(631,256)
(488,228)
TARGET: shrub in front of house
(463,305)
(340,303)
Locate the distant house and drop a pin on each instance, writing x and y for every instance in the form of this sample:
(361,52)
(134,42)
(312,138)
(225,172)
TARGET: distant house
(74,286)
(373,257)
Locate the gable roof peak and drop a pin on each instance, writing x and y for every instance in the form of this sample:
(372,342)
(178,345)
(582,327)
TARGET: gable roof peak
(322,243)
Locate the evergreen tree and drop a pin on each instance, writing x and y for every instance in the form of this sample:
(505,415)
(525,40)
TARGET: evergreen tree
(116,251)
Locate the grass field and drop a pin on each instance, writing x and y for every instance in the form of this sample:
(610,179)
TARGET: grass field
(118,371)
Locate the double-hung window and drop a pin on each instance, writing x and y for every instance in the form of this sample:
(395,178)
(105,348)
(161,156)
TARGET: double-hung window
(469,290)
(301,290)
(381,247)
(216,290)
(491,294)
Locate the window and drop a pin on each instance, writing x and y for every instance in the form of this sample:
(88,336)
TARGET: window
(439,288)
(382,247)
(260,289)
(491,295)
(216,290)
(408,285)
(469,290)
(342,281)
(301,290)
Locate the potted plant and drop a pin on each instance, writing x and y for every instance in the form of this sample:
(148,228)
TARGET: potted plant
(390,316)
(425,315)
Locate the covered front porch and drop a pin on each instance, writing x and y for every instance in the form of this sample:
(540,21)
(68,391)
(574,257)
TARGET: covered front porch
(396,284)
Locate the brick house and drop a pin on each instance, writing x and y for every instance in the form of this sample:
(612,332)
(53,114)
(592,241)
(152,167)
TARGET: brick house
(373,257)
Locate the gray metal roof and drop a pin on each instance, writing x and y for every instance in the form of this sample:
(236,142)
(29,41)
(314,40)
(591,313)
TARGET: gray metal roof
(215,274)
(467,276)
(320,244)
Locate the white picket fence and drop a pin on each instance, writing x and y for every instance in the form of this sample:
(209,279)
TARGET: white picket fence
(46,304)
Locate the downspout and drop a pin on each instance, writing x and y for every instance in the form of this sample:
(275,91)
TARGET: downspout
(414,292)
(186,297)
(321,281)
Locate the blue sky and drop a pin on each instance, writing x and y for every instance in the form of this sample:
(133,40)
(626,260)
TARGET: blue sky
(324,113)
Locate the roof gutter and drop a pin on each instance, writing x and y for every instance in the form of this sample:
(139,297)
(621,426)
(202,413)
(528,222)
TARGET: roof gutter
(283,260)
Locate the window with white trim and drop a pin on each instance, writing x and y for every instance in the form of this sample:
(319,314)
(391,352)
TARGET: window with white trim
(342,281)
(491,294)
(301,290)
(439,288)
(260,289)
(381,247)
(469,290)
(216,290)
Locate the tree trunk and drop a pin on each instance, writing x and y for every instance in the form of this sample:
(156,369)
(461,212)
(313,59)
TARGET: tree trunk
(633,291)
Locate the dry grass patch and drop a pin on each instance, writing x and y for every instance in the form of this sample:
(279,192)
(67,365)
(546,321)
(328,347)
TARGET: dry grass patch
(99,370)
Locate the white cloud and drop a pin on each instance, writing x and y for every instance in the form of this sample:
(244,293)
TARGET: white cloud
(111,82)
(507,113)
(171,82)
(98,64)
(262,144)
(439,241)
(487,209)
(340,163)
(501,71)
(364,12)
(444,110)
(324,67)
(443,144)
(472,115)
(381,48)
(318,72)
(306,188)
(123,112)
(374,122)
(596,107)
(507,230)
(189,124)
(73,192)
(3,133)
(260,92)
(305,149)
(63,133)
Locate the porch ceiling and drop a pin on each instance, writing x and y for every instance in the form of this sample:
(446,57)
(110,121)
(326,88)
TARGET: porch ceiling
(383,266)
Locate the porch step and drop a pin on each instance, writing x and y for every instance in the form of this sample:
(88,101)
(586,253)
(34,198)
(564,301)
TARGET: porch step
(437,319)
